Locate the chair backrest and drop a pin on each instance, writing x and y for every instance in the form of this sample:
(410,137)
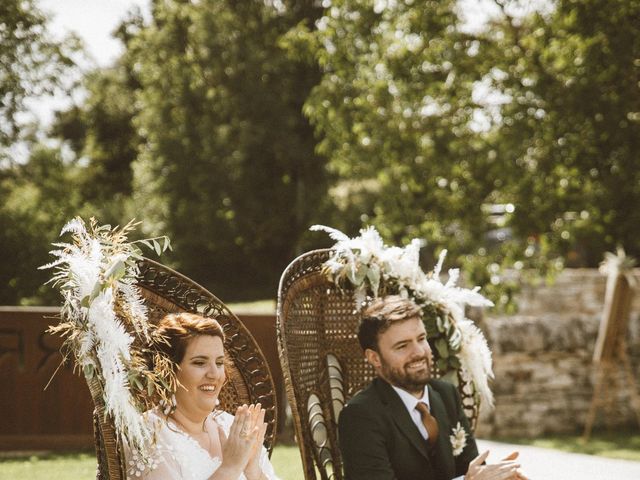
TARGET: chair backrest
(249,378)
(322,362)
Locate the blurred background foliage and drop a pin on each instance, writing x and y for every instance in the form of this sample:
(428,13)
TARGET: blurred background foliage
(233,126)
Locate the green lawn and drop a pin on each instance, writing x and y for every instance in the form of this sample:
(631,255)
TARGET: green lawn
(82,466)
(259,307)
(286,458)
(73,466)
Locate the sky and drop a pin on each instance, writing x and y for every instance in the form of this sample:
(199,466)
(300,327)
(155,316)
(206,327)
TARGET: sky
(95,20)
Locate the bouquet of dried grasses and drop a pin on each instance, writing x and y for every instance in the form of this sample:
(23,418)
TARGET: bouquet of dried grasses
(105,326)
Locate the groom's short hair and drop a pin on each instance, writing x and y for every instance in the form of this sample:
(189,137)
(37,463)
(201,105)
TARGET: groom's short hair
(380,314)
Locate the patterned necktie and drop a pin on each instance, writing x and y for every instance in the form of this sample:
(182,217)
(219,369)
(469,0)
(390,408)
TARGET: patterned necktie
(430,423)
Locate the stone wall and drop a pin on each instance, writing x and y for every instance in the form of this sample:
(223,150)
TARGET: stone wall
(542,359)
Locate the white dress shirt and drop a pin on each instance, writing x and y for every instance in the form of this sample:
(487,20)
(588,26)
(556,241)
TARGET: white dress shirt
(410,403)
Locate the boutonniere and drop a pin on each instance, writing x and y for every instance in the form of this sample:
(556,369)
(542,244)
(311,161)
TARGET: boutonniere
(458,439)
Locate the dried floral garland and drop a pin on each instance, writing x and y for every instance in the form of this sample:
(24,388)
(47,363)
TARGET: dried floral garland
(105,326)
(374,269)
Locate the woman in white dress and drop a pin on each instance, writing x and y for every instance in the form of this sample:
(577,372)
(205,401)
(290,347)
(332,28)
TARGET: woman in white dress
(194,441)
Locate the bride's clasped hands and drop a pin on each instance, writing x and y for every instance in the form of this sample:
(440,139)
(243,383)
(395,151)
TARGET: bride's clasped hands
(242,447)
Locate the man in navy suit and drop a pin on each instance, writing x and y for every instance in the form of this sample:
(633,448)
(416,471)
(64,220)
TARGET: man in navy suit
(384,432)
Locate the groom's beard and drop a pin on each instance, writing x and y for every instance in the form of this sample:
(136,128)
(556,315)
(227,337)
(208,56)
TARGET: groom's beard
(404,377)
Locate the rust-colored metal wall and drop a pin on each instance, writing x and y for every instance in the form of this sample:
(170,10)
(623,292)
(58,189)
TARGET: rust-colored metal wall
(60,417)
(33,418)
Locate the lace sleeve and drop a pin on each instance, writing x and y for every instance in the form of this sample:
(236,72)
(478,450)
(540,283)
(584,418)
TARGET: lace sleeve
(173,456)
(159,467)
(158,461)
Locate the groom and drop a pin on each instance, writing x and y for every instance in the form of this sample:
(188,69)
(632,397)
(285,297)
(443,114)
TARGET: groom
(399,427)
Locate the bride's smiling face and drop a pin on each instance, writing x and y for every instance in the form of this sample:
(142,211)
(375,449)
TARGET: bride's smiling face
(201,373)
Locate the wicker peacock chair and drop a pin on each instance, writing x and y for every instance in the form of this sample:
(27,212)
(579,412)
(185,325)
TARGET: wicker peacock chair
(249,379)
(322,362)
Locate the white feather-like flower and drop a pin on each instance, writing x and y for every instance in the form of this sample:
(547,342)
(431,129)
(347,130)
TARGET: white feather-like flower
(475,359)
(76,226)
(90,276)
(438,268)
(458,439)
(134,306)
(85,272)
(366,261)
(113,349)
(87,341)
(335,234)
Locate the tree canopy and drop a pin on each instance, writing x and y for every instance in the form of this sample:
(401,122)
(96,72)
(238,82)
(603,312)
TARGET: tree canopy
(32,63)
(232,127)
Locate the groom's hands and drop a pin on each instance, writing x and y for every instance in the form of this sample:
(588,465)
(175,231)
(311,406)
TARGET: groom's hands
(507,469)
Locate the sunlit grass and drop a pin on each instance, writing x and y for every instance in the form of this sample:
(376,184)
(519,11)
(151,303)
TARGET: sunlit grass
(287,463)
(259,307)
(286,458)
(82,466)
(70,466)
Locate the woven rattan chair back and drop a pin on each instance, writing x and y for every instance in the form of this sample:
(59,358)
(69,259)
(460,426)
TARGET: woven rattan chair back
(322,362)
(249,379)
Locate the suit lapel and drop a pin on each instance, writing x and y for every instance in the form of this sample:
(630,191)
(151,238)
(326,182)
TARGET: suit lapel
(444,452)
(401,416)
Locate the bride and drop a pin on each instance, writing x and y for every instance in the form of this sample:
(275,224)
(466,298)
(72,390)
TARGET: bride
(193,440)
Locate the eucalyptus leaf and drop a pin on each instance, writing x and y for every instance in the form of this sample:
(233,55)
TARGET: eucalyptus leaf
(373,274)
(116,271)
(167,244)
(441,363)
(86,301)
(97,288)
(88,370)
(136,381)
(147,243)
(451,376)
(454,362)
(455,339)
(442,347)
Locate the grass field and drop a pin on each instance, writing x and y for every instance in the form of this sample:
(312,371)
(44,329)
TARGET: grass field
(259,307)
(286,458)
(82,466)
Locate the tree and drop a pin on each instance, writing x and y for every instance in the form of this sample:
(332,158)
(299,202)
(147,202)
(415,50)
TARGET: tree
(227,168)
(35,198)
(436,128)
(38,199)
(569,136)
(396,116)
(105,142)
(32,63)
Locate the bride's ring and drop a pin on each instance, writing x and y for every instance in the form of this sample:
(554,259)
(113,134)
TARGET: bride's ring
(244,433)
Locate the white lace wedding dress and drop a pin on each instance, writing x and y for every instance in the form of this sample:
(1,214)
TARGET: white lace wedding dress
(178,456)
